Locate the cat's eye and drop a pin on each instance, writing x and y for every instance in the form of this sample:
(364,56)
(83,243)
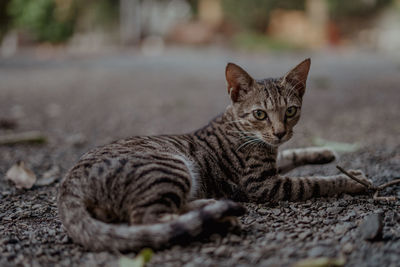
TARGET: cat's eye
(291,111)
(259,114)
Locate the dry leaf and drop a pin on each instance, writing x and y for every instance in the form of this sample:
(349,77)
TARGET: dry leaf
(31,137)
(49,176)
(140,260)
(321,262)
(21,176)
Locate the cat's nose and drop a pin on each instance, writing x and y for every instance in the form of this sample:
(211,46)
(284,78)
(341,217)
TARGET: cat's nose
(280,134)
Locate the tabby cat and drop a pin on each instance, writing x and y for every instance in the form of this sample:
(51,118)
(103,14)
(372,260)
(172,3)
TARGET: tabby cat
(156,191)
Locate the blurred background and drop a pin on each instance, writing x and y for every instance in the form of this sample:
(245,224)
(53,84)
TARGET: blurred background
(152,25)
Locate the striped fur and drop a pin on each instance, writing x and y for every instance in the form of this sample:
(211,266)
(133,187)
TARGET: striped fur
(118,196)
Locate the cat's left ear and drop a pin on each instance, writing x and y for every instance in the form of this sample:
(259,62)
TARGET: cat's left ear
(239,81)
(297,77)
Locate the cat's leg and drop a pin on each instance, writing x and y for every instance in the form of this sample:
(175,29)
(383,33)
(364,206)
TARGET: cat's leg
(197,204)
(293,158)
(275,188)
(232,223)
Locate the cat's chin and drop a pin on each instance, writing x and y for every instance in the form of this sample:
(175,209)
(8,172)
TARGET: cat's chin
(276,143)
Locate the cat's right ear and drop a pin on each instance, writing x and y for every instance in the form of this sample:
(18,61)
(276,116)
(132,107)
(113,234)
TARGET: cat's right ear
(239,81)
(297,77)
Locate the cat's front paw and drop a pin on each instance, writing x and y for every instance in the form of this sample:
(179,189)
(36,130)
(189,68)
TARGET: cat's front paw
(356,187)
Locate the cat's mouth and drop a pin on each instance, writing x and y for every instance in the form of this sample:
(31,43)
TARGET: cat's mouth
(274,141)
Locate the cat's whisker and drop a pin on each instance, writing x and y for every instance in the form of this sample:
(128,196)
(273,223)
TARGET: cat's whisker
(244,144)
(249,142)
(254,144)
(258,143)
(246,138)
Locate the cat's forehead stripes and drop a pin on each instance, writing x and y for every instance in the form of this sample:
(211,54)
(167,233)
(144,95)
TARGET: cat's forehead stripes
(274,95)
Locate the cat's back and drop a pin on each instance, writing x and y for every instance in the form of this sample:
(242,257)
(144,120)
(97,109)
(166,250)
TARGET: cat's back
(124,156)
(136,147)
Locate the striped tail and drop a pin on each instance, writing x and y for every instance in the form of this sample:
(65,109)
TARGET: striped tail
(194,225)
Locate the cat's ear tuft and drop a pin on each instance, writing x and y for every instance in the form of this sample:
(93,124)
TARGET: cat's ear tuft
(297,77)
(239,81)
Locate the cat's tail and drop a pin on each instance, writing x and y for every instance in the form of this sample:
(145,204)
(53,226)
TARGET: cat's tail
(97,235)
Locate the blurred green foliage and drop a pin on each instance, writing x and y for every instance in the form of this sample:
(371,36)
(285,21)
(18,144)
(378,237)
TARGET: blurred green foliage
(253,41)
(194,6)
(254,14)
(46,20)
(56,21)
(4,18)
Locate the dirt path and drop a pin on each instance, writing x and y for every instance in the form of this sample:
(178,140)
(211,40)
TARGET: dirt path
(81,102)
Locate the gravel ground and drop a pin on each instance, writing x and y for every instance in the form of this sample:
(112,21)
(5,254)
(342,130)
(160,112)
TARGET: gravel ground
(80,102)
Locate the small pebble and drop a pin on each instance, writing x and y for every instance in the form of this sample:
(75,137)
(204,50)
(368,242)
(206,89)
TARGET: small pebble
(371,227)
(263,211)
(348,248)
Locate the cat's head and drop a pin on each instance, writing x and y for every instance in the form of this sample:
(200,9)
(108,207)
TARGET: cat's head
(269,108)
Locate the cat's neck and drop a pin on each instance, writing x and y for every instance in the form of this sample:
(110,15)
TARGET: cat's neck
(229,124)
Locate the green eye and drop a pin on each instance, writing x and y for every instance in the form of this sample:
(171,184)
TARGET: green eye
(259,114)
(291,111)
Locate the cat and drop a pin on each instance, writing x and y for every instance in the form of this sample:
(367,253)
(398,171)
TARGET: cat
(156,191)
